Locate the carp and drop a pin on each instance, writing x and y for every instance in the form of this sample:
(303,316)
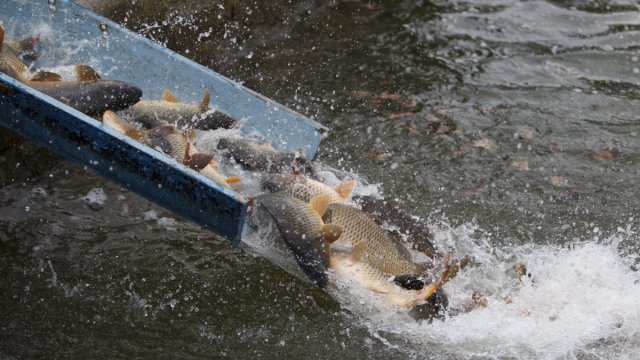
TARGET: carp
(387,210)
(89,94)
(174,143)
(254,156)
(306,235)
(366,253)
(304,188)
(168,110)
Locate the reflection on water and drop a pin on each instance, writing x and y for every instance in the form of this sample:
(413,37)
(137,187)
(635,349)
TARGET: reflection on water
(510,125)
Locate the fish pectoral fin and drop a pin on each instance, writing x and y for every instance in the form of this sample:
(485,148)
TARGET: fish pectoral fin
(320,203)
(86,73)
(1,37)
(346,188)
(198,161)
(331,232)
(204,104)
(409,282)
(233,180)
(168,96)
(42,75)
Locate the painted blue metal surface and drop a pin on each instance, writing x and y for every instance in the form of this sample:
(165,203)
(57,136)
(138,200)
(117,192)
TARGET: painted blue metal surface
(73,35)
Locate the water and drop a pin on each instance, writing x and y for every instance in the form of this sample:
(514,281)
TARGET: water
(509,126)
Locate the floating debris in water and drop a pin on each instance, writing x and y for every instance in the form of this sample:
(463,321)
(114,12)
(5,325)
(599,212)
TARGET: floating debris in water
(607,154)
(521,164)
(400,115)
(559,181)
(378,155)
(525,134)
(485,143)
(412,128)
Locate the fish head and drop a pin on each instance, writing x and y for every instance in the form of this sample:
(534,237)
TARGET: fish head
(114,95)
(213,119)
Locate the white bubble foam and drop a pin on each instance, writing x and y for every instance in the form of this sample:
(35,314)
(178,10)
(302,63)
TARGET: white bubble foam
(95,196)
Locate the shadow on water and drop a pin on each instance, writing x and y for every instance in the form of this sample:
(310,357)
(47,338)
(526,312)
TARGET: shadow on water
(518,117)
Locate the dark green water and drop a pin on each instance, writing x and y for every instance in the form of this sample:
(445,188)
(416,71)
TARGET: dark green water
(441,103)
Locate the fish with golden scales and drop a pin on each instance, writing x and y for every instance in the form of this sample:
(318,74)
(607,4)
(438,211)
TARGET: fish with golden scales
(361,252)
(88,94)
(304,188)
(366,253)
(169,110)
(306,235)
(411,227)
(173,142)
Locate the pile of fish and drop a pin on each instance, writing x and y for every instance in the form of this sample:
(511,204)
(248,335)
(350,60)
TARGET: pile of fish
(330,234)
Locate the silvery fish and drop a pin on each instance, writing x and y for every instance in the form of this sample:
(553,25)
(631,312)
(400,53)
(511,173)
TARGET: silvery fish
(168,110)
(303,230)
(172,142)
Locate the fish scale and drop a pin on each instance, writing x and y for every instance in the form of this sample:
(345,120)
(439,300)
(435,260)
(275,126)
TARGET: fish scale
(301,228)
(362,234)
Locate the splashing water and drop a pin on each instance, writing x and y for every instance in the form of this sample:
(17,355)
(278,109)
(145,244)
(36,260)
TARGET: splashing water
(579,298)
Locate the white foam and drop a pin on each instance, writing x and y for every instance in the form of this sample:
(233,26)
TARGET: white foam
(581,297)
(95,196)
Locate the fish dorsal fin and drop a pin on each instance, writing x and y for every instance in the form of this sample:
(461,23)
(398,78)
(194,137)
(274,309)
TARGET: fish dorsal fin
(204,104)
(331,232)
(86,73)
(168,96)
(320,203)
(346,188)
(46,76)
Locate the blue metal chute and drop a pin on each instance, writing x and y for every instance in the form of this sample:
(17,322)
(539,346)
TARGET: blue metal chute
(76,35)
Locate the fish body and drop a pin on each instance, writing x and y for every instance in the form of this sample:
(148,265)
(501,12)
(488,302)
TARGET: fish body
(153,113)
(254,156)
(171,141)
(368,242)
(12,57)
(92,97)
(304,232)
(388,211)
(304,188)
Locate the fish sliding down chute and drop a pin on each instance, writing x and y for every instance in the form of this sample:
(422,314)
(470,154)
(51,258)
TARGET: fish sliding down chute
(49,118)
